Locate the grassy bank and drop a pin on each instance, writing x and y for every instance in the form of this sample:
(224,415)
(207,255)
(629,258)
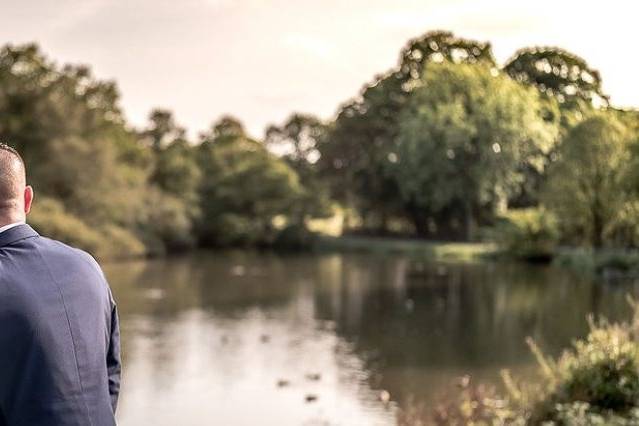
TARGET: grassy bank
(436,250)
(610,263)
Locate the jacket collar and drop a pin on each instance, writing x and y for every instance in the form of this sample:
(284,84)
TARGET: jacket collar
(16,233)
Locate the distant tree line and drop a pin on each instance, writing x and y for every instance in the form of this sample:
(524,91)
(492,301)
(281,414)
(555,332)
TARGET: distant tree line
(444,145)
(120,191)
(449,145)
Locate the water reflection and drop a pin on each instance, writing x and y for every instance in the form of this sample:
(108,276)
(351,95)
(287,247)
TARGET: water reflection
(237,338)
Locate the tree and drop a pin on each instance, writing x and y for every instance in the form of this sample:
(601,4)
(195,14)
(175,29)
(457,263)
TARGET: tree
(162,129)
(558,73)
(361,142)
(464,136)
(175,179)
(441,46)
(62,119)
(570,88)
(244,187)
(175,169)
(586,186)
(297,139)
(228,127)
(297,142)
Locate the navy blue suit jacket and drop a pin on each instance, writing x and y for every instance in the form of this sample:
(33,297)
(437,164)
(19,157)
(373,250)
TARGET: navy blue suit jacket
(59,337)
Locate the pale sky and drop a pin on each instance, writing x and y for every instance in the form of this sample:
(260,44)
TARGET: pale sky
(262,60)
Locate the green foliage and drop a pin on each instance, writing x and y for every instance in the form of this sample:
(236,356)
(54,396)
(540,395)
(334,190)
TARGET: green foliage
(609,263)
(439,46)
(594,382)
(297,142)
(355,155)
(587,187)
(558,73)
(168,225)
(118,192)
(295,237)
(464,136)
(529,234)
(175,178)
(50,218)
(472,405)
(600,374)
(244,188)
(580,413)
(440,145)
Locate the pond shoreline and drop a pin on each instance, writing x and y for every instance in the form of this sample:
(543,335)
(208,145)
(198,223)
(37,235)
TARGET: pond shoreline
(608,263)
(426,249)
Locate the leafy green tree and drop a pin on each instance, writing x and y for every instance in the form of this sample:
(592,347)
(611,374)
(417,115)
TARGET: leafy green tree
(62,120)
(571,90)
(297,141)
(558,73)
(360,145)
(464,136)
(244,187)
(440,46)
(177,175)
(353,156)
(163,130)
(175,168)
(587,185)
(227,127)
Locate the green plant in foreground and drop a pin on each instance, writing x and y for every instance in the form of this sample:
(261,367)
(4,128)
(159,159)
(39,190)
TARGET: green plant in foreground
(598,377)
(595,382)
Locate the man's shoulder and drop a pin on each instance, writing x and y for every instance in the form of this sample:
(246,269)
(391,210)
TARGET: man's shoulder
(61,258)
(24,248)
(55,248)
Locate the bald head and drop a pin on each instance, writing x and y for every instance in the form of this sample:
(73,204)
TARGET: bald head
(15,195)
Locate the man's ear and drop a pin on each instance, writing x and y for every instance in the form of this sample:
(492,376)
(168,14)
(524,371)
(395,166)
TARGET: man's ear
(28,199)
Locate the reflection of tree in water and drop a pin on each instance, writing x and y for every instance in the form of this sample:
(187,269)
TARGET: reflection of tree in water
(216,282)
(466,318)
(158,299)
(414,326)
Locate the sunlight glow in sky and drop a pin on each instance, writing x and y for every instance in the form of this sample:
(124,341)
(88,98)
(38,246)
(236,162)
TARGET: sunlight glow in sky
(262,60)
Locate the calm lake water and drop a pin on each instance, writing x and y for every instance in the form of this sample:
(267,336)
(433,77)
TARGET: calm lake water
(245,338)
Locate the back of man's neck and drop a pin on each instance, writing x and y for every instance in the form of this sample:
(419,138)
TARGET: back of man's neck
(9,216)
(9,226)
(11,219)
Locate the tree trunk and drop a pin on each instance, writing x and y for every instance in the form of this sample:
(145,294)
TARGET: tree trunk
(383,223)
(470,221)
(597,229)
(421,223)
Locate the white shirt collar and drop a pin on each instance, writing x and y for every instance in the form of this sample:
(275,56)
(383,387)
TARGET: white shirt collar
(9,226)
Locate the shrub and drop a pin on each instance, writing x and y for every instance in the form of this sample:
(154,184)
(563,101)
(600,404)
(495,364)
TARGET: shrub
(595,382)
(609,263)
(471,405)
(167,226)
(601,373)
(119,243)
(529,234)
(295,237)
(50,218)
